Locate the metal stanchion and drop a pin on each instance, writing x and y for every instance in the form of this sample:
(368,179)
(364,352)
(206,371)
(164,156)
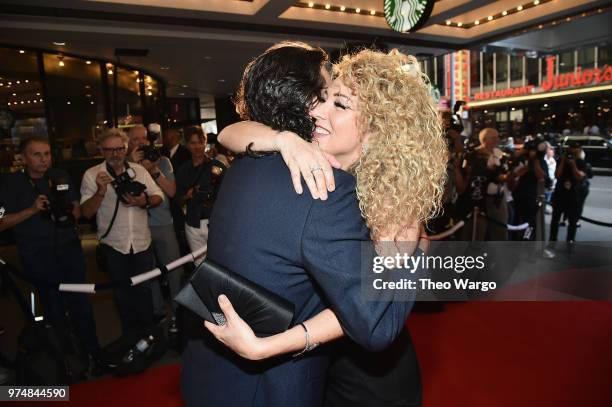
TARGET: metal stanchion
(474,223)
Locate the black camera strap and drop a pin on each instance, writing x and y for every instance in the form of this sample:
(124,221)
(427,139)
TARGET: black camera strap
(113,174)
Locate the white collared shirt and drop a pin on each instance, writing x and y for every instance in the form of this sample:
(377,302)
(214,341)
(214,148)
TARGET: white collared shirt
(131,227)
(173,150)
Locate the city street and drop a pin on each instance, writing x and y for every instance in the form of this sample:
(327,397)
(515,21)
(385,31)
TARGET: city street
(598,206)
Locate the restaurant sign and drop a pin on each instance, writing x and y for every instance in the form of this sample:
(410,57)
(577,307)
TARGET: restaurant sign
(551,82)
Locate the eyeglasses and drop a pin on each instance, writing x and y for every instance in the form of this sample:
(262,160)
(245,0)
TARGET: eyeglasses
(109,150)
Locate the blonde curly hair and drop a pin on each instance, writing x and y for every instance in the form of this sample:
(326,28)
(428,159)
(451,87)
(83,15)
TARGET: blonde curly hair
(401,174)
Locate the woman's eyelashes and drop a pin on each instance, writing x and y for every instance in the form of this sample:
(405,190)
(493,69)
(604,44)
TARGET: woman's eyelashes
(340,105)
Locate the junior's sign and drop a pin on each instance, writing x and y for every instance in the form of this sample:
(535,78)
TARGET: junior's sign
(551,82)
(580,77)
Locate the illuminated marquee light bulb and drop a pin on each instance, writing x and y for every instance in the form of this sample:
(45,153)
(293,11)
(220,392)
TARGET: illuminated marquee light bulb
(327,6)
(536,2)
(459,24)
(519,8)
(448,22)
(490,18)
(342,8)
(373,12)
(477,22)
(311,4)
(357,10)
(504,13)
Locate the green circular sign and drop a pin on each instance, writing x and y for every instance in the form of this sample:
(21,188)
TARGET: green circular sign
(407,15)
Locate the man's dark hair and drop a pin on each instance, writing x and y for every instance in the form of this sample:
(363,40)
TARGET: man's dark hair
(279,87)
(190,131)
(31,139)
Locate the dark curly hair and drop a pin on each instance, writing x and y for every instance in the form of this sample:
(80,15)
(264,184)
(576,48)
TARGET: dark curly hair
(279,87)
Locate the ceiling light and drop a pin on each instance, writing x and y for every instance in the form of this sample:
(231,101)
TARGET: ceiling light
(91,103)
(221,80)
(61,61)
(21,51)
(165,68)
(504,13)
(88,62)
(554,23)
(514,108)
(327,7)
(184,86)
(18,82)
(540,26)
(310,4)
(477,22)
(150,93)
(14,94)
(182,94)
(21,102)
(568,19)
(448,22)
(582,101)
(342,8)
(208,57)
(519,8)
(459,24)
(40,100)
(68,102)
(545,104)
(27,80)
(357,10)
(59,44)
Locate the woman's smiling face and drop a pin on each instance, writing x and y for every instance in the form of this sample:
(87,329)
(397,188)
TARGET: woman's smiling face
(337,127)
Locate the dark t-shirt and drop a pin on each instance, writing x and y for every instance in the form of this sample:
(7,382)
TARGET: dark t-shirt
(18,192)
(204,182)
(567,182)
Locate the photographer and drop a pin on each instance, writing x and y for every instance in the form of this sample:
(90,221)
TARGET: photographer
(485,189)
(532,175)
(571,173)
(119,194)
(165,245)
(41,206)
(197,182)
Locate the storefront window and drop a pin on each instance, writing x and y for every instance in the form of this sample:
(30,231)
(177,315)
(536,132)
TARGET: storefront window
(440,71)
(76,105)
(604,55)
(501,68)
(153,105)
(22,109)
(516,68)
(566,62)
(586,57)
(488,69)
(532,74)
(475,71)
(128,97)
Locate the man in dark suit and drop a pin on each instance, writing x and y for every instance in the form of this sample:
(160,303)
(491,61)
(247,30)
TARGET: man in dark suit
(308,251)
(173,149)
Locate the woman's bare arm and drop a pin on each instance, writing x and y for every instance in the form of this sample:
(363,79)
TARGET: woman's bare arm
(300,156)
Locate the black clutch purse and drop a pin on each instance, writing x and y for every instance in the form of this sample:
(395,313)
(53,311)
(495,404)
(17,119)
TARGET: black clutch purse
(266,312)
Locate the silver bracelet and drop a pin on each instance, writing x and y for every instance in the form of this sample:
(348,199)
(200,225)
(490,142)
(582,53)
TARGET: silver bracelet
(309,346)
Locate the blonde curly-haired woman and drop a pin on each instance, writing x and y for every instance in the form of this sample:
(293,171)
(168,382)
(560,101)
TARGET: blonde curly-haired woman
(377,121)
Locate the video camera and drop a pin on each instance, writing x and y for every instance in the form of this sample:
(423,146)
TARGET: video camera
(59,207)
(124,184)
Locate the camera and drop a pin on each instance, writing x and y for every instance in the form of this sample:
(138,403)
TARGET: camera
(536,144)
(124,184)
(59,206)
(206,197)
(456,122)
(150,153)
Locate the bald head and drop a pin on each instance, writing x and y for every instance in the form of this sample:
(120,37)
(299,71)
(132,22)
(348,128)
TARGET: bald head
(489,138)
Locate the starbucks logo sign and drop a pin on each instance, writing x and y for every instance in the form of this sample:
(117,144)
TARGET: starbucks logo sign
(407,15)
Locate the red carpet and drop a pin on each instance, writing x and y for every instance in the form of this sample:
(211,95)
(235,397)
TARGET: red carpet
(472,354)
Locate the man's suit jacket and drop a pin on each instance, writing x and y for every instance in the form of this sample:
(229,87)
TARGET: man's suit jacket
(181,156)
(307,251)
